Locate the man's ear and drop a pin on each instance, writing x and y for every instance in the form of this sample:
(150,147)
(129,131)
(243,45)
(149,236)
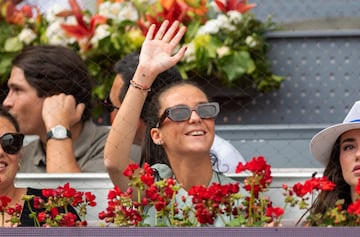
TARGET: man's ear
(156,136)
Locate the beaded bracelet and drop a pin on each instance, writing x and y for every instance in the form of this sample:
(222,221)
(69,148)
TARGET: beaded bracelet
(139,86)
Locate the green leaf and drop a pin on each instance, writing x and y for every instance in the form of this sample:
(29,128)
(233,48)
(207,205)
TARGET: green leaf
(236,65)
(13,44)
(238,221)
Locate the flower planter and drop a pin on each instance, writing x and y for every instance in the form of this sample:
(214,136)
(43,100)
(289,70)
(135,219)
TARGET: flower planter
(183,231)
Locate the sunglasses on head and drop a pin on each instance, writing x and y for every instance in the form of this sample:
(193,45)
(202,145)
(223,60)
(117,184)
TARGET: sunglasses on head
(109,105)
(11,143)
(180,113)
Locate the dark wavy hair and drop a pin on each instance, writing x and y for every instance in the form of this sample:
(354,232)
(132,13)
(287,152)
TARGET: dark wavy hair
(52,70)
(5,114)
(152,153)
(327,199)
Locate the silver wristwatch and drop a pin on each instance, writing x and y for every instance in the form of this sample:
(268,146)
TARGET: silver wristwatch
(58,132)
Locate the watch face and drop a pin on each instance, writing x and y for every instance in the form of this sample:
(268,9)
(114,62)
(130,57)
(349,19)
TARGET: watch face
(59,132)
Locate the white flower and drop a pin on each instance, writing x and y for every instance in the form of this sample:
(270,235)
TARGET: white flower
(127,12)
(222,51)
(214,25)
(210,27)
(106,9)
(235,17)
(119,11)
(101,32)
(57,36)
(224,23)
(27,36)
(50,15)
(250,41)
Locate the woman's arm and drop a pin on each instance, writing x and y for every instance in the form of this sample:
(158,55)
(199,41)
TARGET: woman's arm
(156,56)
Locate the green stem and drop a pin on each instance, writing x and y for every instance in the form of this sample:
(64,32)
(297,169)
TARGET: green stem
(172,210)
(251,217)
(285,206)
(3,218)
(33,214)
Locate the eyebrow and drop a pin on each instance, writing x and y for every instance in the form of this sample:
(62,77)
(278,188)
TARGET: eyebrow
(350,139)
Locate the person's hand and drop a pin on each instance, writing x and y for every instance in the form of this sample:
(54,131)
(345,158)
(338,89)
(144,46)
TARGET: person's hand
(61,109)
(157,52)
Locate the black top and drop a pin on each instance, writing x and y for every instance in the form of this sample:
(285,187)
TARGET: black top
(25,220)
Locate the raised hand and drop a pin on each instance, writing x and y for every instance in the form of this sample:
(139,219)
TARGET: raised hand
(157,52)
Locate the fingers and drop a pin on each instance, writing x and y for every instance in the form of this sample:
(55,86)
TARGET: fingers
(180,54)
(150,33)
(162,30)
(166,34)
(79,110)
(177,38)
(171,31)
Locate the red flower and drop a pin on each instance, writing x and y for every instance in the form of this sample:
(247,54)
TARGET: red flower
(354,208)
(116,191)
(129,171)
(314,184)
(48,192)
(234,5)
(148,177)
(211,201)
(357,187)
(37,202)
(5,200)
(70,219)
(13,15)
(67,191)
(54,212)
(42,216)
(174,10)
(90,199)
(274,212)
(81,30)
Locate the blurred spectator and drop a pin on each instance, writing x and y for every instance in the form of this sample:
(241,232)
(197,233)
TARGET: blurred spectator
(50,96)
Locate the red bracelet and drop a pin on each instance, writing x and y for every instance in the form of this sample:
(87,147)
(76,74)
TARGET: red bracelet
(139,86)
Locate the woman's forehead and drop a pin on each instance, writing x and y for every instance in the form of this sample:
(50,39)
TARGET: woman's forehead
(182,94)
(350,133)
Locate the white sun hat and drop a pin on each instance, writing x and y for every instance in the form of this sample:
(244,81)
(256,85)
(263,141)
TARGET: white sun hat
(322,143)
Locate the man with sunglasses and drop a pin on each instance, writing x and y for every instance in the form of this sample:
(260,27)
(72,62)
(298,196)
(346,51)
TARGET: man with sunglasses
(50,96)
(227,155)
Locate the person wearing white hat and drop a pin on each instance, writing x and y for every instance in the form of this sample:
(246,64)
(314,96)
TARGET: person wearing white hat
(338,148)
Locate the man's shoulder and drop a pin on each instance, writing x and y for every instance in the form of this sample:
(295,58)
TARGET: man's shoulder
(94,131)
(32,155)
(90,124)
(31,144)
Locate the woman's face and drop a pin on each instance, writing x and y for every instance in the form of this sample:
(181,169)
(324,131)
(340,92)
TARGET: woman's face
(350,156)
(9,164)
(189,136)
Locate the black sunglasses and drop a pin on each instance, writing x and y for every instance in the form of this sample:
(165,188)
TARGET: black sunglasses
(11,143)
(109,105)
(180,113)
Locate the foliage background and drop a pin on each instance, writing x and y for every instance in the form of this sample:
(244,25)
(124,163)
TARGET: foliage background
(225,40)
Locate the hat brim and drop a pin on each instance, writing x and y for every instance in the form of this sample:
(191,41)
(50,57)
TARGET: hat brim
(322,143)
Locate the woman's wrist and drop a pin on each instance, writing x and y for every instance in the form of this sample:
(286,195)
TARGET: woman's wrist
(139,86)
(143,76)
